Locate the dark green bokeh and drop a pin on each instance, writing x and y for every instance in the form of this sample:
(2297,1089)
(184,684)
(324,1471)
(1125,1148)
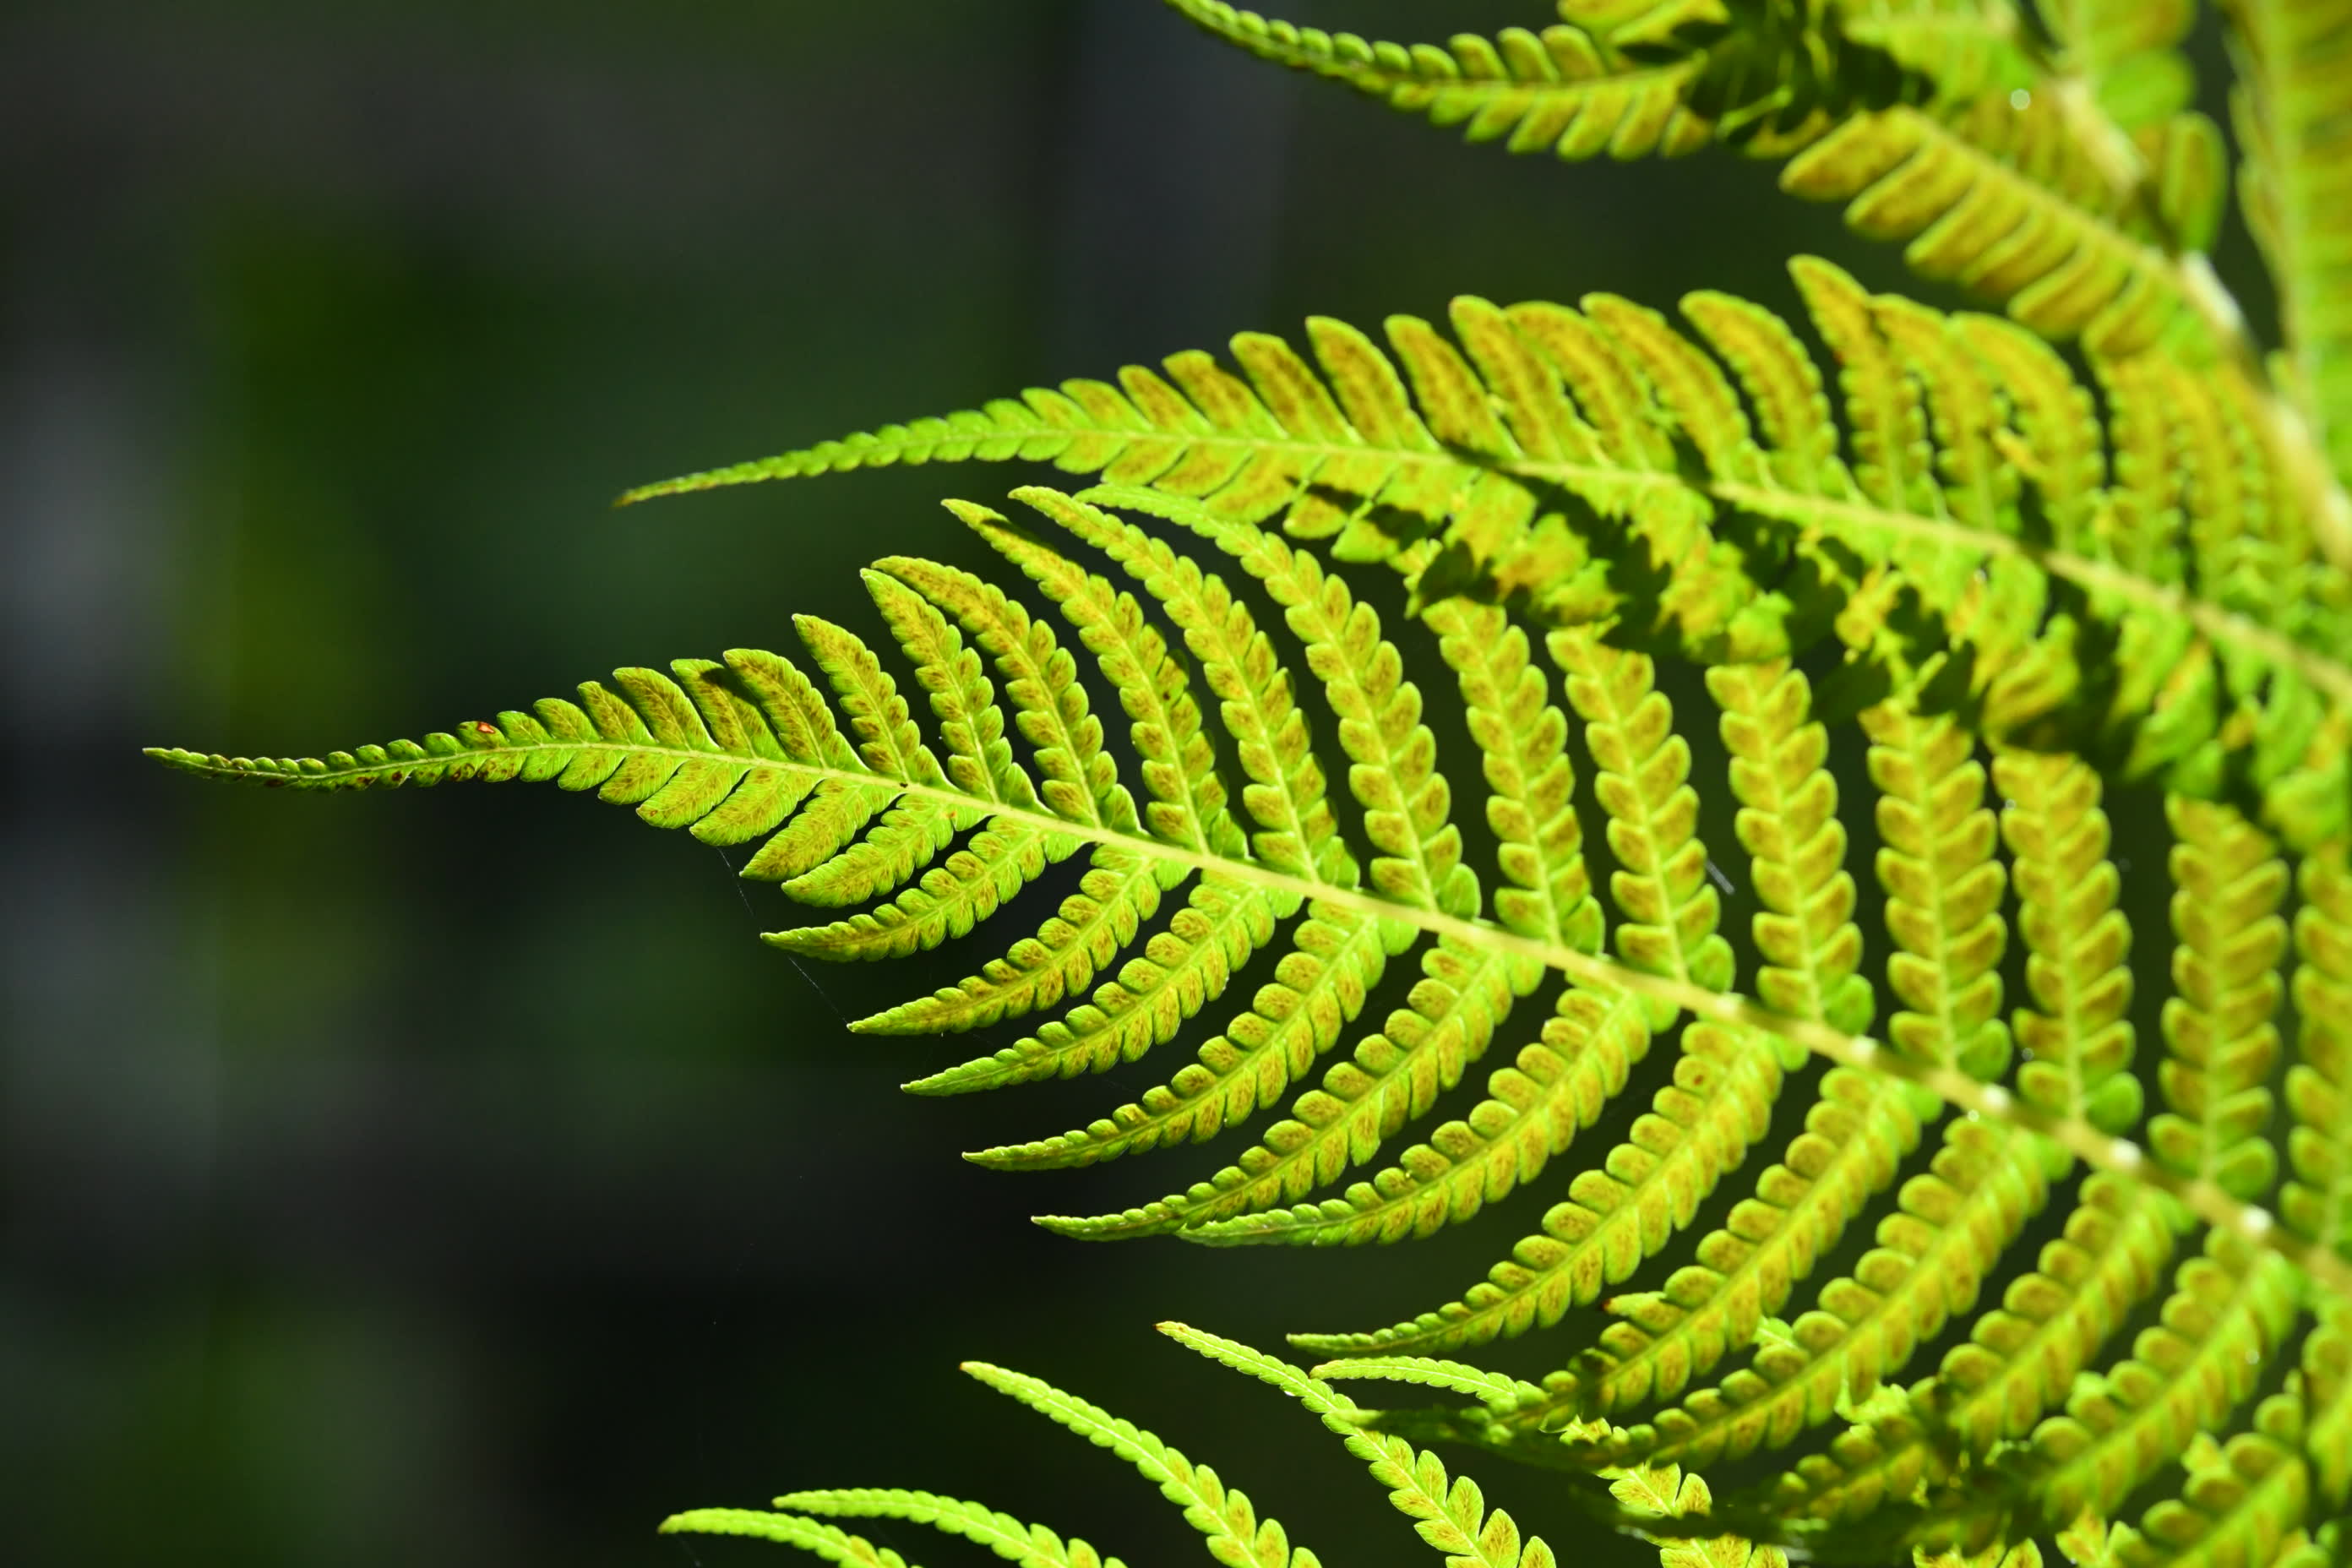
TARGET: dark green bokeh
(451,1178)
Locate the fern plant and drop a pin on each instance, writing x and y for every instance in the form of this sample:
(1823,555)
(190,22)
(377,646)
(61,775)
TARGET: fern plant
(1948,589)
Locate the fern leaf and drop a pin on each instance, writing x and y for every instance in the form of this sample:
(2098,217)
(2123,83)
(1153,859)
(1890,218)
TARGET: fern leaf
(1495,1389)
(1562,90)
(1286,794)
(1237,1537)
(1031,1546)
(1789,825)
(1534,1108)
(1495,432)
(2230,1309)
(908,838)
(687,755)
(2328,1372)
(1249,450)
(1118,892)
(2078,1038)
(1780,379)
(1669,906)
(1854,1136)
(1188,805)
(2021,1358)
(1040,680)
(2318,1203)
(980,759)
(1187,965)
(2223,1042)
(1081,783)
(1180,971)
(1668,1492)
(2125,54)
(2242,1499)
(949,900)
(1944,888)
(1522,746)
(2021,188)
(1450,1517)
(1394,776)
(1337,958)
(1649,1187)
(1405,804)
(1393,1076)
(1929,1265)
(829,1542)
(2286,106)
(2005,201)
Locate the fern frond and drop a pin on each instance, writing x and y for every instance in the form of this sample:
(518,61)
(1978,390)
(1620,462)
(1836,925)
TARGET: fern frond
(1394,773)
(1535,1106)
(949,899)
(1567,89)
(1929,1266)
(1118,893)
(1286,794)
(2317,1201)
(1450,1517)
(1522,743)
(1854,1135)
(1944,886)
(1930,121)
(1787,823)
(1187,965)
(1494,1389)
(1648,1187)
(1298,1019)
(1237,1536)
(737,747)
(1669,906)
(2125,53)
(2228,679)
(2219,1028)
(1668,1492)
(1188,805)
(1392,1077)
(2243,1500)
(1405,803)
(2078,1038)
(1182,970)
(2003,198)
(2020,1359)
(1523,748)
(2328,1373)
(2288,107)
(829,1542)
(2077,190)
(2229,1310)
(1041,681)
(1031,1546)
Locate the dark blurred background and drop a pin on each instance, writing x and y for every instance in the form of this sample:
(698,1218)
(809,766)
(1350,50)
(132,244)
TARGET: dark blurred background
(451,1177)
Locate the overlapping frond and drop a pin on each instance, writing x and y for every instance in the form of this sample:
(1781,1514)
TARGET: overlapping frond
(2146,595)
(2288,105)
(2066,188)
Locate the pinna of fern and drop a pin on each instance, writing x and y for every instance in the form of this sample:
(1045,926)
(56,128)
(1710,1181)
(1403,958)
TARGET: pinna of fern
(2046,158)
(1449,1514)
(859,808)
